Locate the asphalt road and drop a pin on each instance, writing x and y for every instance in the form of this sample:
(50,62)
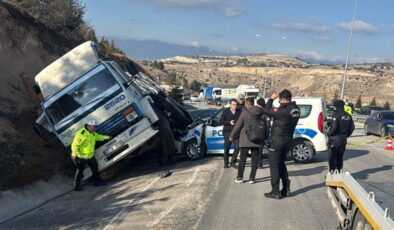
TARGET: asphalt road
(243,206)
(202,195)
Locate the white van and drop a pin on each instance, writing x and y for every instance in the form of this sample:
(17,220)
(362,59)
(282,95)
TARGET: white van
(309,136)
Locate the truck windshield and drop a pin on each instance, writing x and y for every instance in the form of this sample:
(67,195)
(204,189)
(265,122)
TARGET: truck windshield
(90,91)
(252,94)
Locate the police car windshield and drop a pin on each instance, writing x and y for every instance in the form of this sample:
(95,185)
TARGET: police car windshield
(87,93)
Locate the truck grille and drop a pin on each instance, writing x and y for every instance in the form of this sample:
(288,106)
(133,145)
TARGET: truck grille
(114,126)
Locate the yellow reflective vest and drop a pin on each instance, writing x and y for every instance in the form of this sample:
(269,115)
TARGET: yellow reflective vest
(348,110)
(84,142)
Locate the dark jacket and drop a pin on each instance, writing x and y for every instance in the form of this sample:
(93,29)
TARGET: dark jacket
(285,119)
(242,123)
(341,127)
(227,117)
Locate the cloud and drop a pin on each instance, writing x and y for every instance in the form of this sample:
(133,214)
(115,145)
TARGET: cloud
(318,57)
(359,27)
(301,27)
(229,8)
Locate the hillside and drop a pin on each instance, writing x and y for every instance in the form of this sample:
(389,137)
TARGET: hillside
(303,78)
(26,47)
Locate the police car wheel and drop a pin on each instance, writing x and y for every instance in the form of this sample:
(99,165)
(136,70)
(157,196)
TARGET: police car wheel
(192,150)
(302,151)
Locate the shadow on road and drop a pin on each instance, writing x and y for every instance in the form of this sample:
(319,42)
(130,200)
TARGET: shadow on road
(364,174)
(308,188)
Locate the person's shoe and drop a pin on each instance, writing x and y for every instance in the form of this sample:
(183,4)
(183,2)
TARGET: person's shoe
(78,188)
(286,193)
(272,195)
(251,181)
(100,183)
(232,164)
(165,174)
(226,166)
(238,180)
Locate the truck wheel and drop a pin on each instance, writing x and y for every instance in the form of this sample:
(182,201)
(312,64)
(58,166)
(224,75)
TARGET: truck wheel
(302,151)
(193,151)
(360,223)
(366,130)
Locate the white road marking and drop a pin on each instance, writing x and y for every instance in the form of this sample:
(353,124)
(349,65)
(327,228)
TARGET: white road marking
(179,200)
(193,178)
(130,202)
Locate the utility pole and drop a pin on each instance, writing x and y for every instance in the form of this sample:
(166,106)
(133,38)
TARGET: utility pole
(348,50)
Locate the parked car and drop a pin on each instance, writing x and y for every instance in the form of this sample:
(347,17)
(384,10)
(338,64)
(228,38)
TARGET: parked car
(195,98)
(368,110)
(380,123)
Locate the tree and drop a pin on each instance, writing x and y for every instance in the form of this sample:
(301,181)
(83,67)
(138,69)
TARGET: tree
(358,102)
(195,85)
(176,94)
(387,106)
(373,102)
(158,65)
(335,98)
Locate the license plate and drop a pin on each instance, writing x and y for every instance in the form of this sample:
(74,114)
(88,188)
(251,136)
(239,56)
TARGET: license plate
(113,148)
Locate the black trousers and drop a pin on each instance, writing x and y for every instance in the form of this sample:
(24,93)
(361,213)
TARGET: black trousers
(278,170)
(241,167)
(80,164)
(335,157)
(260,158)
(227,146)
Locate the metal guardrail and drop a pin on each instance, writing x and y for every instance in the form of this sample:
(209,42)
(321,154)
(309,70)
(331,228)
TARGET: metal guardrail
(344,192)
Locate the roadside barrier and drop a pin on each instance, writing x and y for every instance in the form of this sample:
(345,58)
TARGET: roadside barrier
(367,142)
(389,144)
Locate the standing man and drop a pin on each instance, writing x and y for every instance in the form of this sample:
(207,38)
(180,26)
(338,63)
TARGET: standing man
(82,153)
(241,101)
(248,118)
(261,104)
(285,119)
(228,119)
(341,127)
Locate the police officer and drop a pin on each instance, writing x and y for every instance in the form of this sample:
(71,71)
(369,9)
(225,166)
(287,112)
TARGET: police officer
(228,119)
(341,127)
(82,153)
(285,119)
(349,107)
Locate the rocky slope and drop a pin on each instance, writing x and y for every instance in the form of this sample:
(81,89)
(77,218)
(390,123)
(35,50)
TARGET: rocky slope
(368,80)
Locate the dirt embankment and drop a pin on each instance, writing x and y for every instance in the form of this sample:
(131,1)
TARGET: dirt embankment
(25,47)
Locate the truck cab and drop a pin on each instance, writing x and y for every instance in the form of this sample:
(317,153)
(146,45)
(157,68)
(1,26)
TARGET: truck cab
(79,87)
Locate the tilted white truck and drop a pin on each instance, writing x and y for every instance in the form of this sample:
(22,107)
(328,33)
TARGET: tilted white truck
(79,87)
(248,91)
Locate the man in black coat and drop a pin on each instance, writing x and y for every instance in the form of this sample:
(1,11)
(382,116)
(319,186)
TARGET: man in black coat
(261,103)
(341,127)
(228,119)
(285,119)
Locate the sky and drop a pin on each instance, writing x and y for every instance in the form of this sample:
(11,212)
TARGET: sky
(311,29)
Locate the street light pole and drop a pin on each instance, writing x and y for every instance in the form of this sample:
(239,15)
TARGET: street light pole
(348,50)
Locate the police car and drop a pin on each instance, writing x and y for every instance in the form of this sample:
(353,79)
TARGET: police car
(309,136)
